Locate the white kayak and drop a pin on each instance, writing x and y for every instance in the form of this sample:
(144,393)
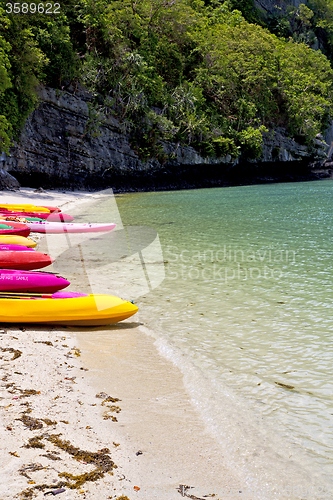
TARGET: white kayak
(67,227)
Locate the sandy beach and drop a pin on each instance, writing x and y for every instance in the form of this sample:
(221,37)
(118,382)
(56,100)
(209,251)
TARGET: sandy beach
(98,413)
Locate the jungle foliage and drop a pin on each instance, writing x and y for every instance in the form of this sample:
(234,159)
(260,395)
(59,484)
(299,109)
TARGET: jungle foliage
(208,74)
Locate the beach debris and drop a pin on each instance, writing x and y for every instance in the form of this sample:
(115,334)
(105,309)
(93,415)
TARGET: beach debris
(52,456)
(285,386)
(47,421)
(100,459)
(55,492)
(101,395)
(182,489)
(32,423)
(47,342)
(136,488)
(16,352)
(28,392)
(35,442)
(107,416)
(138,453)
(28,469)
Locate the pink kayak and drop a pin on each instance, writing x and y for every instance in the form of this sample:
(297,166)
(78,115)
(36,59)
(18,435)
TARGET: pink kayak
(30,281)
(52,217)
(55,227)
(13,248)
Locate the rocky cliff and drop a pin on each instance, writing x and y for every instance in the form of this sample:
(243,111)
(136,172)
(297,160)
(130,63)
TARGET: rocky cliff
(276,6)
(58,148)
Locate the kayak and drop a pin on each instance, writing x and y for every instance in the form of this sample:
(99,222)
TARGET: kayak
(20,218)
(23,208)
(26,207)
(14,248)
(64,308)
(14,228)
(30,281)
(65,227)
(52,209)
(52,217)
(17,240)
(24,260)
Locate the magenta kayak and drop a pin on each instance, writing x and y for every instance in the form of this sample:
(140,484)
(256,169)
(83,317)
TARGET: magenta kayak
(56,227)
(13,248)
(30,281)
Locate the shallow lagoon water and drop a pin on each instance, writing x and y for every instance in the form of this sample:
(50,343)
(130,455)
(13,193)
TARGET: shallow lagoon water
(245,310)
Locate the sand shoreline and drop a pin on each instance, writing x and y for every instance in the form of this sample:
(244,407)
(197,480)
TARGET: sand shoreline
(51,416)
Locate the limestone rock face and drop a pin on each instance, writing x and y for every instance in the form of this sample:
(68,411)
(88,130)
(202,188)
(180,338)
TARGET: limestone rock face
(7,181)
(56,144)
(276,6)
(62,145)
(278,146)
(59,146)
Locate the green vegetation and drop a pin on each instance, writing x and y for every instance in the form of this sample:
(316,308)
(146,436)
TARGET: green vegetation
(209,74)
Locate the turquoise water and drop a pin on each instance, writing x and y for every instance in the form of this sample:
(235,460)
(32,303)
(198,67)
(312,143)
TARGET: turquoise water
(246,308)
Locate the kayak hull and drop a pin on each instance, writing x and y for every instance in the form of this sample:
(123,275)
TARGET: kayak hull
(17,240)
(52,217)
(59,228)
(30,281)
(52,209)
(23,208)
(90,310)
(25,261)
(14,248)
(14,228)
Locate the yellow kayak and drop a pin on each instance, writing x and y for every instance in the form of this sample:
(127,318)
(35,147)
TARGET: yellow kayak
(64,308)
(24,208)
(8,239)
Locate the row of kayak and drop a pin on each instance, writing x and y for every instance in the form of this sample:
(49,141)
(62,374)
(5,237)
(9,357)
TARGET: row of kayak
(36,296)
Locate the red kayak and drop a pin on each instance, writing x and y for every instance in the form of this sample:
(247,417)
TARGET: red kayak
(25,261)
(52,209)
(51,217)
(14,228)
